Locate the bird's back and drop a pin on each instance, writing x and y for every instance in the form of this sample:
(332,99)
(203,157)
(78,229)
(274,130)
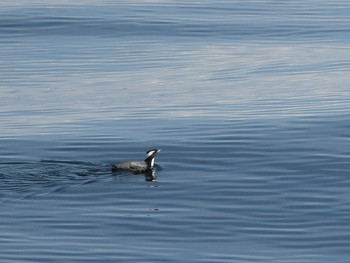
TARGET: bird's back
(131,166)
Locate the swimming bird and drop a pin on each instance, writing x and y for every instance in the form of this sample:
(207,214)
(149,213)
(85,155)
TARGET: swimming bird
(138,167)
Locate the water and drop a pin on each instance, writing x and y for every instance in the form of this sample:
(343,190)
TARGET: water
(248,101)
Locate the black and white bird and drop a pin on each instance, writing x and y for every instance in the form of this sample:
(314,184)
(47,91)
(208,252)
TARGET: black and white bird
(138,167)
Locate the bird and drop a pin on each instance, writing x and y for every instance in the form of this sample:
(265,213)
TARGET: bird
(138,166)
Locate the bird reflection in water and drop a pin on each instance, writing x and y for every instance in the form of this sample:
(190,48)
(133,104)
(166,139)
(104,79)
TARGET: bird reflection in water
(150,174)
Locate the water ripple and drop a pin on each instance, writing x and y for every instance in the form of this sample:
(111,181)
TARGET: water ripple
(196,20)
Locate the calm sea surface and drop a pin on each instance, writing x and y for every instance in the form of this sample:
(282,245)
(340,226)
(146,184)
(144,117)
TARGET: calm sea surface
(248,100)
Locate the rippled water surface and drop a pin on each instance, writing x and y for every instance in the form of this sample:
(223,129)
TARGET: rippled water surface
(248,100)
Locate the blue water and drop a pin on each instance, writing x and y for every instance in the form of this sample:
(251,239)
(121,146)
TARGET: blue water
(248,100)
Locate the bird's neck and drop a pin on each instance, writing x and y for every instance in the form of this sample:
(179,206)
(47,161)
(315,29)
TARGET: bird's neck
(150,161)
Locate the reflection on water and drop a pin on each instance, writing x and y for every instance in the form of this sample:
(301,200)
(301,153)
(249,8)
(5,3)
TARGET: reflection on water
(150,174)
(248,100)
